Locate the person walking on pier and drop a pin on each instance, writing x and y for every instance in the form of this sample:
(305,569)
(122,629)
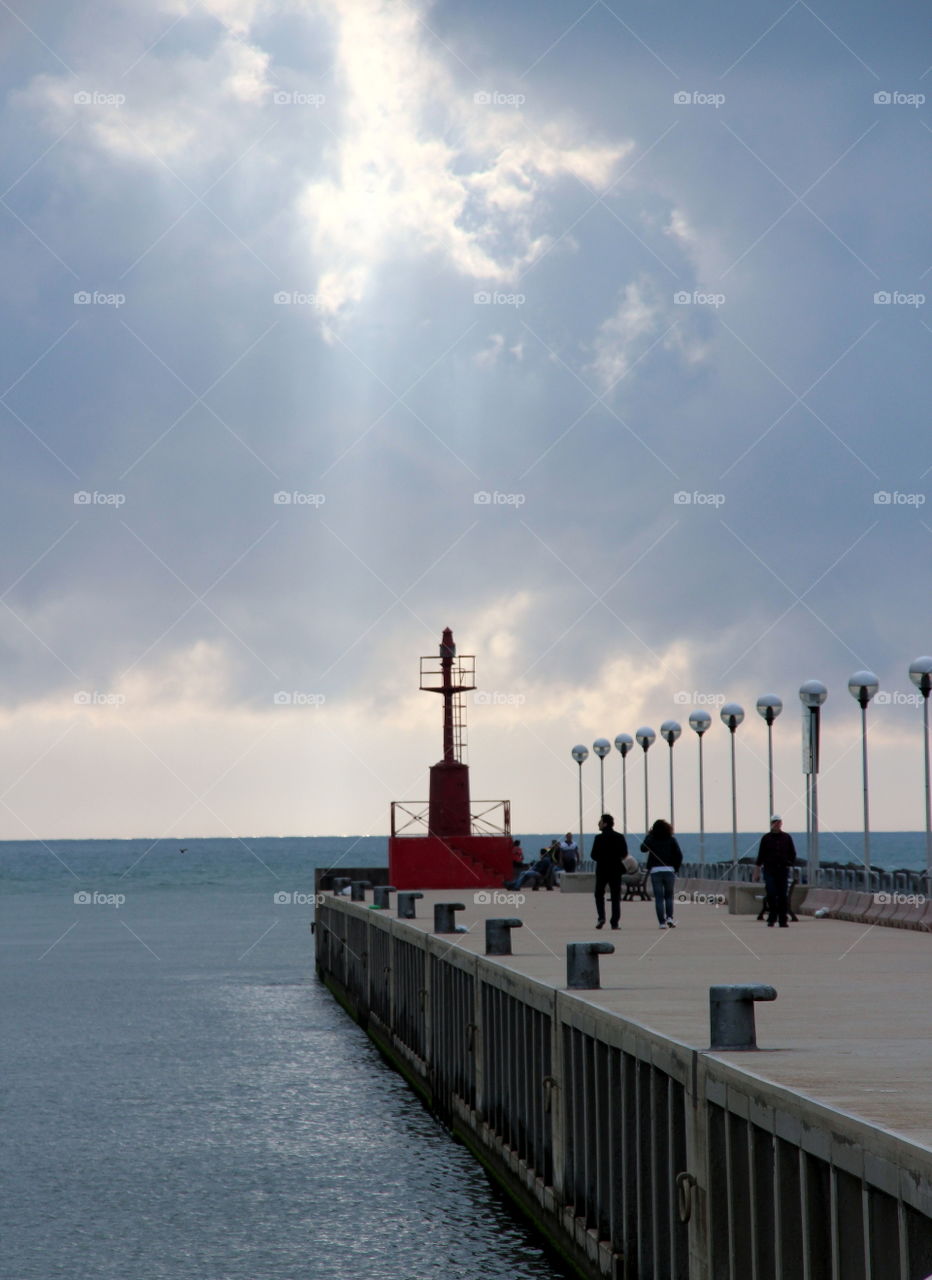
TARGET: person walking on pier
(664,859)
(775,856)
(609,850)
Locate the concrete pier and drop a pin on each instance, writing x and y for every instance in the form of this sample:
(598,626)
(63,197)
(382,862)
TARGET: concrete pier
(639,1151)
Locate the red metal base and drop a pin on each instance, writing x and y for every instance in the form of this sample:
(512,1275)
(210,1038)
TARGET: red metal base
(457,862)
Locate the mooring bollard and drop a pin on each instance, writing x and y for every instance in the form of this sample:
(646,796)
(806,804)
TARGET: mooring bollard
(498,936)
(339,883)
(405,902)
(444,917)
(358,890)
(380,895)
(582,963)
(731,1015)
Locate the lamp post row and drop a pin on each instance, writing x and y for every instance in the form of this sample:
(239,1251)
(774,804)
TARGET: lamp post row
(862,686)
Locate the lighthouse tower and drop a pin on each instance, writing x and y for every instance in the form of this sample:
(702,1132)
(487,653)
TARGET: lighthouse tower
(450,843)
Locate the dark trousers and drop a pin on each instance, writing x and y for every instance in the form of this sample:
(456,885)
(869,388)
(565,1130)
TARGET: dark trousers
(776,883)
(610,880)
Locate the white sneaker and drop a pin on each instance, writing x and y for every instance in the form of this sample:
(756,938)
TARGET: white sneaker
(671,924)
(663,926)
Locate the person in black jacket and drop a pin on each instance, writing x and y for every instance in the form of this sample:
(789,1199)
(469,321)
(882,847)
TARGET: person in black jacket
(609,850)
(663,861)
(775,856)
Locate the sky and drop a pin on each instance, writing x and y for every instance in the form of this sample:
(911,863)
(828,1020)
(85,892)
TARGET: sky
(596,332)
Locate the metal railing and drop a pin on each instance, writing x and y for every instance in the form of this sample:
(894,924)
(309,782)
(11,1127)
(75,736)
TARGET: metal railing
(486,817)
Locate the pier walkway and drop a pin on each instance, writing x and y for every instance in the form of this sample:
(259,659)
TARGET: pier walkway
(851,1026)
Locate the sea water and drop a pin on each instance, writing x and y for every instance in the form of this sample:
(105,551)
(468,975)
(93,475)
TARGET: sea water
(183,1100)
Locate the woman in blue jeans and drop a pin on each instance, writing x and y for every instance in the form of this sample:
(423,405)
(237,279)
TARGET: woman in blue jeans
(664,859)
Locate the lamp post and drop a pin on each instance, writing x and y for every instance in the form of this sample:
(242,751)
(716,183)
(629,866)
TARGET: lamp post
(769,706)
(601,747)
(670,731)
(920,672)
(646,737)
(862,686)
(812,694)
(700,721)
(580,754)
(732,714)
(624,742)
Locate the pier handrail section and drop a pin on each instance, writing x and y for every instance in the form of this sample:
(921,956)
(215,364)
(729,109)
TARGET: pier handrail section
(638,1156)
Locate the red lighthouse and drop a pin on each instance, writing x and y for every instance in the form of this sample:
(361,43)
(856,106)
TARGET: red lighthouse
(449,843)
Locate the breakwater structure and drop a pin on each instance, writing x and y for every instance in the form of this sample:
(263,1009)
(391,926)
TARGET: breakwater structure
(637,1148)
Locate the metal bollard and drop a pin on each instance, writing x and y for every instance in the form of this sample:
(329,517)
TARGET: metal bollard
(444,918)
(339,883)
(406,905)
(380,895)
(731,1015)
(358,890)
(582,963)
(498,936)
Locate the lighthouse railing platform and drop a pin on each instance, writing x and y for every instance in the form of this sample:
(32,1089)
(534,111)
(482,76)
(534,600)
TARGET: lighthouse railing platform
(486,818)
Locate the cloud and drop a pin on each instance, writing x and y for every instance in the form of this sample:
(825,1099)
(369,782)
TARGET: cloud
(623,337)
(419,165)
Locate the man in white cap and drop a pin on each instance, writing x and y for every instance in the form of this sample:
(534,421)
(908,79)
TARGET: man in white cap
(775,856)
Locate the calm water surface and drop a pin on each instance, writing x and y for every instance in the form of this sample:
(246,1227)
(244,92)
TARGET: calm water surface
(183,1101)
